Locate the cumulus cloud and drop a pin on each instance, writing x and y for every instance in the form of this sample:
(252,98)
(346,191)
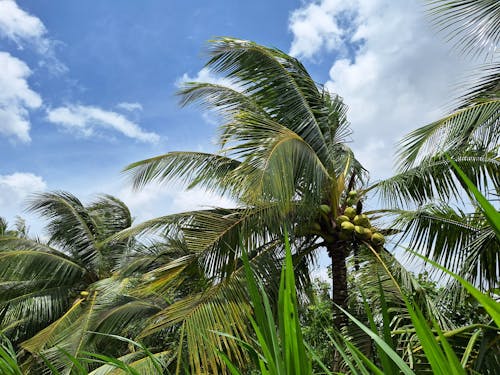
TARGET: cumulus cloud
(18,25)
(15,187)
(16,98)
(87,120)
(131,107)
(399,76)
(319,26)
(25,29)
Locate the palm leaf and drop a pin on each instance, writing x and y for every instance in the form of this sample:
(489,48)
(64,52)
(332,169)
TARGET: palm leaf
(475,125)
(473,25)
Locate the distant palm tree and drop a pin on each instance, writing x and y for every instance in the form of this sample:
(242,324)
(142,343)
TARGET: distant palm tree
(20,229)
(54,293)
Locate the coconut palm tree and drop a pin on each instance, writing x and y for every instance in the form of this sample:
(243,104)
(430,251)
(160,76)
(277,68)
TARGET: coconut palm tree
(20,229)
(284,161)
(53,293)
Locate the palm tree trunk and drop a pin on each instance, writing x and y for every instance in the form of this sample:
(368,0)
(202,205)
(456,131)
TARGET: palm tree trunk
(338,255)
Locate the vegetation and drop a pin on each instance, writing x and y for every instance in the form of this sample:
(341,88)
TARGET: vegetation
(229,290)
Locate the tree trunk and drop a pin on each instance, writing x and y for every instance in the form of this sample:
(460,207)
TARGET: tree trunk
(338,254)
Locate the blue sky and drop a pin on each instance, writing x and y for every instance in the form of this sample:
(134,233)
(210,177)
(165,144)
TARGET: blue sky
(87,87)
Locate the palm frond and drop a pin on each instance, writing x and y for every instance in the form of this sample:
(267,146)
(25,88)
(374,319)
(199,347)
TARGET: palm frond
(276,161)
(265,73)
(143,363)
(35,284)
(190,168)
(484,84)
(472,24)
(454,239)
(70,224)
(222,308)
(223,99)
(473,126)
(110,214)
(435,179)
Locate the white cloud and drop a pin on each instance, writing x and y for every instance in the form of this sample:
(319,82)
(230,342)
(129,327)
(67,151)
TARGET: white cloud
(130,106)
(317,26)
(18,25)
(399,78)
(26,29)
(16,98)
(85,120)
(14,188)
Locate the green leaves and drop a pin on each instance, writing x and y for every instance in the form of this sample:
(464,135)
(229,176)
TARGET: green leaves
(281,349)
(472,24)
(489,211)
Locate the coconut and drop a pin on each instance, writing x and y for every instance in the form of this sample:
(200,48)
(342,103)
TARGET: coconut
(353,194)
(358,230)
(367,234)
(362,233)
(358,220)
(340,219)
(347,226)
(350,212)
(378,239)
(362,220)
(84,293)
(325,208)
(350,202)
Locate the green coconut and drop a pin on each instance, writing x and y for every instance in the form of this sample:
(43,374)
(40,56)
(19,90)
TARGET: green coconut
(378,239)
(325,208)
(347,226)
(362,220)
(367,234)
(84,293)
(362,233)
(350,212)
(353,194)
(340,219)
(358,220)
(358,230)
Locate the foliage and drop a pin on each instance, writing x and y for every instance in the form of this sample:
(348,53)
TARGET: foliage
(282,158)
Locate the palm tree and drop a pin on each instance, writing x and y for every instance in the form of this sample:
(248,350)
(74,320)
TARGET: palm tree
(20,229)
(284,161)
(52,294)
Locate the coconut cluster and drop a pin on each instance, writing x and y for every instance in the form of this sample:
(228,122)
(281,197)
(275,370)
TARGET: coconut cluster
(353,224)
